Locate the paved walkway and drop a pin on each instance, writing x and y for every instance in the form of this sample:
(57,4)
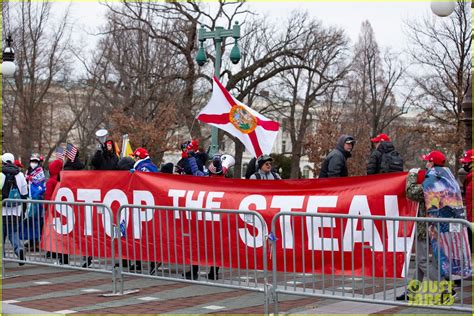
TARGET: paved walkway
(46,290)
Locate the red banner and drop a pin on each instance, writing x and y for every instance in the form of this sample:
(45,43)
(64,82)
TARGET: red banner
(304,244)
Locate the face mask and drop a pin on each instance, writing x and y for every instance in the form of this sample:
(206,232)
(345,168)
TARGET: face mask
(33,165)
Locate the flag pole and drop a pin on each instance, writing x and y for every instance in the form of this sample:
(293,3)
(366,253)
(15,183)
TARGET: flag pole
(124,144)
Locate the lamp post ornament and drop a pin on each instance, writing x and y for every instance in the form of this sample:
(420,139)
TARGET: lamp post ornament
(218,35)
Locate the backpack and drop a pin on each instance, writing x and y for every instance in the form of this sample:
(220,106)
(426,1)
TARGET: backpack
(10,188)
(391,162)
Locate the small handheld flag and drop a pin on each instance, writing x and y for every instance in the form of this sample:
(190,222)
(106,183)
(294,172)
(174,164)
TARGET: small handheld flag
(71,151)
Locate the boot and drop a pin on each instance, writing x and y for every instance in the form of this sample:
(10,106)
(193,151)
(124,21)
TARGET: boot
(193,274)
(213,273)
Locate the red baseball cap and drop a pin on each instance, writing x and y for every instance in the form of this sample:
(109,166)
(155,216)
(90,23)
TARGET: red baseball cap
(140,153)
(437,157)
(467,158)
(380,138)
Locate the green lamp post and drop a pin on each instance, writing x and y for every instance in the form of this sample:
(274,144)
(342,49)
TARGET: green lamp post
(218,35)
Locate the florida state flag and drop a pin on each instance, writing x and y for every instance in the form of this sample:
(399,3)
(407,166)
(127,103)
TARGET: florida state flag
(254,130)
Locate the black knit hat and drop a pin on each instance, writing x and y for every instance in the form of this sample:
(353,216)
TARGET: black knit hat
(262,160)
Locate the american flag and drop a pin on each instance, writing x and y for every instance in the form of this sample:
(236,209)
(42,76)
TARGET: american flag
(455,245)
(59,153)
(71,151)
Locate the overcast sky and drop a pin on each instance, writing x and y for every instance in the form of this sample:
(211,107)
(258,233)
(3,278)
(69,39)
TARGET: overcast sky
(386,18)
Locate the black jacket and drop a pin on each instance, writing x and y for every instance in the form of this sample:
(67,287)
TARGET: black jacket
(74,165)
(335,163)
(375,159)
(105,160)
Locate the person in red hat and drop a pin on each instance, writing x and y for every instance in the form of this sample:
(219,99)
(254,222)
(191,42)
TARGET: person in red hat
(438,194)
(105,157)
(384,158)
(466,161)
(143,161)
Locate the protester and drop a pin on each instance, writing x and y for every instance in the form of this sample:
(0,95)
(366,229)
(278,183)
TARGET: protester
(105,158)
(55,168)
(192,163)
(264,169)
(335,163)
(219,167)
(34,219)
(73,161)
(143,161)
(466,161)
(125,163)
(191,149)
(14,186)
(384,158)
(419,188)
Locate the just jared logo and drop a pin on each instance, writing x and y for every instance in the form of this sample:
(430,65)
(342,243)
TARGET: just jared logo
(430,293)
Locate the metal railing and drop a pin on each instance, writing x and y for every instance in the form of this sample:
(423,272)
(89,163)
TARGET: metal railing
(317,255)
(359,263)
(71,224)
(194,245)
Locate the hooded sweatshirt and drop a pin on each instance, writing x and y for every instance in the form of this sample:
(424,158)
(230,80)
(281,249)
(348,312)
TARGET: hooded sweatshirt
(54,170)
(335,163)
(375,160)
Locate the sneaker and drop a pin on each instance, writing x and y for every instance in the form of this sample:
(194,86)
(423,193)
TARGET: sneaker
(403,297)
(21,255)
(212,276)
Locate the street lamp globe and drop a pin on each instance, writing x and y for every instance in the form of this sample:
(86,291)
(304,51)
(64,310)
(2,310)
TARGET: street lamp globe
(8,58)
(8,68)
(442,8)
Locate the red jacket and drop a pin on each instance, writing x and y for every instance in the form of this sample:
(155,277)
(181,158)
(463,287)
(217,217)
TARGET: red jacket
(468,192)
(54,169)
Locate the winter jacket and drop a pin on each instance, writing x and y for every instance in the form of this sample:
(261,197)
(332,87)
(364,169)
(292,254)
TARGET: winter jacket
(74,165)
(375,159)
(11,169)
(145,165)
(36,181)
(335,163)
(105,159)
(468,192)
(271,175)
(414,191)
(54,170)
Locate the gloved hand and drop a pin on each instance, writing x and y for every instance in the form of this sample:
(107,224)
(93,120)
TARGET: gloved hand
(414,170)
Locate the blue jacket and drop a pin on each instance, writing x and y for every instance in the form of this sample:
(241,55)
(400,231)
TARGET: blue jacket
(146,165)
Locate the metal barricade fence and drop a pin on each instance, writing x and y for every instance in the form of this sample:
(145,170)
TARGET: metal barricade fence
(48,233)
(355,258)
(222,248)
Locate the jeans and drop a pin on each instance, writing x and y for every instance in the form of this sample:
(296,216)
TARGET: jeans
(10,229)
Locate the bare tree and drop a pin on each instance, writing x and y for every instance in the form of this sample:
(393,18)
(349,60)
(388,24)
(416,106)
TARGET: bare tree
(441,48)
(41,47)
(373,83)
(306,87)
